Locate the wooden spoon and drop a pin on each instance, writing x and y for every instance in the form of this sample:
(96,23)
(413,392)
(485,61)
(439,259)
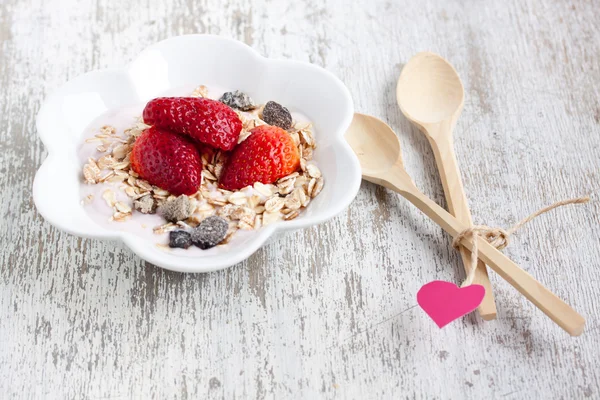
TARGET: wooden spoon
(379,153)
(430,94)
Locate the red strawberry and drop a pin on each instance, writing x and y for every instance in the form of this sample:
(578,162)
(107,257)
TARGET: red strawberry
(208,121)
(268,154)
(204,149)
(167,160)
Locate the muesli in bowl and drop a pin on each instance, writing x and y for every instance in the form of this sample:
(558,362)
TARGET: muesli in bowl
(193,171)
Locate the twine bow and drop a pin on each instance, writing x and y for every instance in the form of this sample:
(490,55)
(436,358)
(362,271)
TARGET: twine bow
(498,237)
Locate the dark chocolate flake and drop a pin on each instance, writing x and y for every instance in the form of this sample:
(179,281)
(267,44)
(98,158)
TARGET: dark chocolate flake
(238,100)
(180,239)
(277,115)
(210,232)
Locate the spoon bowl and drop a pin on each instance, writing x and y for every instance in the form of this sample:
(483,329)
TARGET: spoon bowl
(429,90)
(381,141)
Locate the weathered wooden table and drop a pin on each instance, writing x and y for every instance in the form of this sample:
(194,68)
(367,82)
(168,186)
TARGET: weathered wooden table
(328,312)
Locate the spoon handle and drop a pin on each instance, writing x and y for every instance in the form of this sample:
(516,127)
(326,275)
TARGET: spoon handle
(559,311)
(443,149)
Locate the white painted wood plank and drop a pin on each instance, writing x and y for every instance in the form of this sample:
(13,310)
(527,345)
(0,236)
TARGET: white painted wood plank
(82,318)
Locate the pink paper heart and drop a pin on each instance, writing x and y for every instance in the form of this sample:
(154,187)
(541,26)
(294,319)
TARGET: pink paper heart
(444,301)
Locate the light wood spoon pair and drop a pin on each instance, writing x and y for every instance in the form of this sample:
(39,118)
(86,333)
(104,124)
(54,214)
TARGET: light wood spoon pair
(431,95)
(379,153)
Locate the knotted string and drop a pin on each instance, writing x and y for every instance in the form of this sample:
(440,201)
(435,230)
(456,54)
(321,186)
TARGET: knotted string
(498,237)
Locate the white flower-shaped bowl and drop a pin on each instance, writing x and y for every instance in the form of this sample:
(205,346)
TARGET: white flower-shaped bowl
(177,62)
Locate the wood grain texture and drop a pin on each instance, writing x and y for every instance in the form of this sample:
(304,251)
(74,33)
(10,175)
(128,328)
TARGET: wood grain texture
(328,312)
